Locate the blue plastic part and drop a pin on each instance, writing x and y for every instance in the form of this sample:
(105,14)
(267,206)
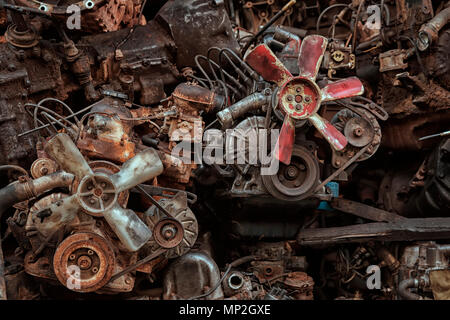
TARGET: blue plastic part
(334,188)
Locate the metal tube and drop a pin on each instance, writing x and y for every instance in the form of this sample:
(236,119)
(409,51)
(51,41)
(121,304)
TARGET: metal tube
(405,285)
(252,102)
(21,191)
(429,31)
(268,24)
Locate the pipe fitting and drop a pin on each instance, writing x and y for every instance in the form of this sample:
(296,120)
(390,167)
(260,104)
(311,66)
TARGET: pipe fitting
(429,32)
(405,285)
(253,102)
(20,191)
(195,97)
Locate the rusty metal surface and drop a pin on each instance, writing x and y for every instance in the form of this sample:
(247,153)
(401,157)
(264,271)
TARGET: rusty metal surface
(302,284)
(183,19)
(365,211)
(188,96)
(2,276)
(411,229)
(98,199)
(87,254)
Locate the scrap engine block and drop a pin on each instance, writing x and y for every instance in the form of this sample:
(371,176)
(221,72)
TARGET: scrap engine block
(225,150)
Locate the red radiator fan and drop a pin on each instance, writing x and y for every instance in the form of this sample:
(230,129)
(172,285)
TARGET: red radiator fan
(300,98)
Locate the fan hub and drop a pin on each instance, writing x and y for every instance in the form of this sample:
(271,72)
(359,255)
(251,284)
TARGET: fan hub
(97,193)
(299,98)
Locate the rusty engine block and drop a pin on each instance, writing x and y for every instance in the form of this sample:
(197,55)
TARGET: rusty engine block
(237,150)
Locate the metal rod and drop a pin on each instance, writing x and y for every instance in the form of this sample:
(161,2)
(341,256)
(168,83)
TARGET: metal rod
(442,134)
(47,125)
(268,24)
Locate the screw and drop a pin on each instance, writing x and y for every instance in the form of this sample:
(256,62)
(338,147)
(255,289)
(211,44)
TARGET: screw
(358,132)
(292,172)
(169,231)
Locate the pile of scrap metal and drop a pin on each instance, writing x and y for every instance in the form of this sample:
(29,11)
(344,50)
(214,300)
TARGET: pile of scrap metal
(106,131)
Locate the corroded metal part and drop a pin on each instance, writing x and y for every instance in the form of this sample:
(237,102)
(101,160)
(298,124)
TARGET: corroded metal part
(311,56)
(108,133)
(2,276)
(79,219)
(342,89)
(49,222)
(62,149)
(143,167)
(84,262)
(42,167)
(177,233)
(336,139)
(108,169)
(190,275)
(188,96)
(296,181)
(98,192)
(228,116)
(266,63)
(300,98)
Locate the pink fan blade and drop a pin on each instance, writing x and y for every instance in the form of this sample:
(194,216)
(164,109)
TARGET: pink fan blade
(311,56)
(285,142)
(341,89)
(266,64)
(336,139)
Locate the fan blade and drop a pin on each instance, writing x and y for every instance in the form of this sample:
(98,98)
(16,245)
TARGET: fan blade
(311,55)
(266,63)
(132,231)
(342,89)
(336,139)
(64,151)
(142,167)
(285,143)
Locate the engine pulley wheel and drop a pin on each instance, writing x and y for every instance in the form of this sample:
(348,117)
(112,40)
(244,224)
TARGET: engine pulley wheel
(42,167)
(359,132)
(176,234)
(296,181)
(168,233)
(84,262)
